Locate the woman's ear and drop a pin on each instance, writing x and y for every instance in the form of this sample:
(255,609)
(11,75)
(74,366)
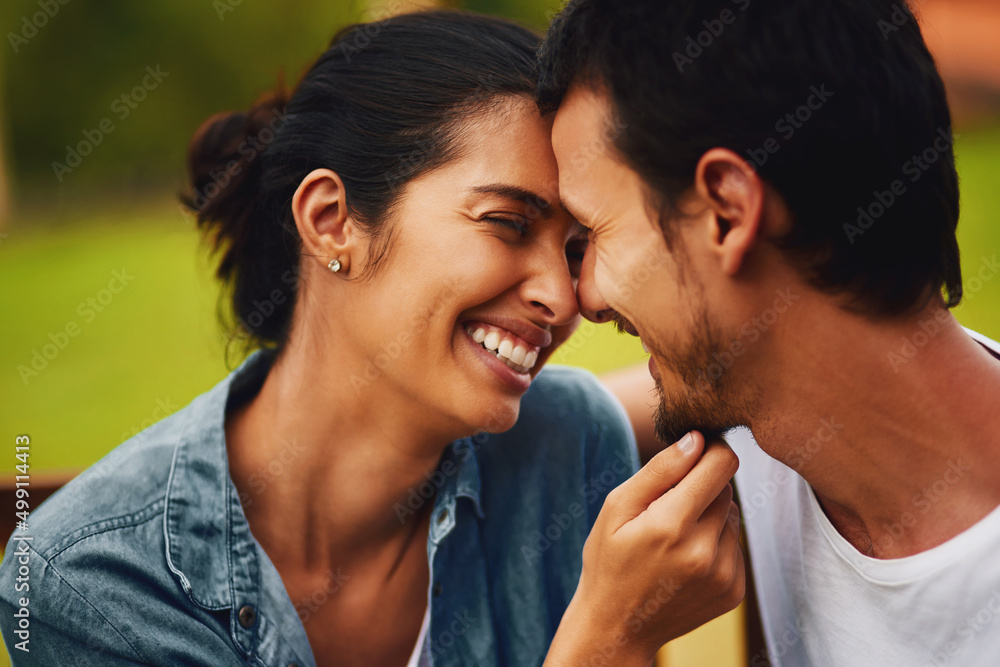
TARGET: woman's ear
(735,193)
(328,232)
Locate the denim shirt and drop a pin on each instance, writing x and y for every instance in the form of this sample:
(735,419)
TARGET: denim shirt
(147,557)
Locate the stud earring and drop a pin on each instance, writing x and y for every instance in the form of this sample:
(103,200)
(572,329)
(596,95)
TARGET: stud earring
(334,265)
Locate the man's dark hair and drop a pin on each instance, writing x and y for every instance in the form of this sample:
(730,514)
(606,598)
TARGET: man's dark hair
(836,103)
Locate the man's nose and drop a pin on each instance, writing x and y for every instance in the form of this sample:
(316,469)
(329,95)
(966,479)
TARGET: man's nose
(592,304)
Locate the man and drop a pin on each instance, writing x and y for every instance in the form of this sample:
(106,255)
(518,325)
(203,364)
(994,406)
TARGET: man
(772,198)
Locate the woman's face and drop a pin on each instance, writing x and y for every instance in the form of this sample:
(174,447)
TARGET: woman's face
(479,278)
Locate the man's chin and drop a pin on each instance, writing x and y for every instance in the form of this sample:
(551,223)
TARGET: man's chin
(675,418)
(689,399)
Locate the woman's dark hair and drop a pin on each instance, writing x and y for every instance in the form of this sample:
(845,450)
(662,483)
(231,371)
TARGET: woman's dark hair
(836,103)
(384,104)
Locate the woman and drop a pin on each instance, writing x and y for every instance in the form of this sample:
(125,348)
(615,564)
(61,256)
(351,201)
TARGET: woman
(387,479)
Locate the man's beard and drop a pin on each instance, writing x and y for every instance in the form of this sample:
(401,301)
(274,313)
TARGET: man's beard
(707,400)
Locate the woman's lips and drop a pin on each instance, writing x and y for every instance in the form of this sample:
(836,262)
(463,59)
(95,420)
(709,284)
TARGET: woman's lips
(513,379)
(518,354)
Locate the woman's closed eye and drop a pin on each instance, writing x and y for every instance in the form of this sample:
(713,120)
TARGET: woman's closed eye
(518,224)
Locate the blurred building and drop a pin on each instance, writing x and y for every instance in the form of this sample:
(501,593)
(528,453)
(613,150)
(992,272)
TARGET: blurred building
(964,36)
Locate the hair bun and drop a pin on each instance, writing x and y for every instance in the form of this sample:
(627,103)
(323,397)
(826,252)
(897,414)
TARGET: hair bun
(223,165)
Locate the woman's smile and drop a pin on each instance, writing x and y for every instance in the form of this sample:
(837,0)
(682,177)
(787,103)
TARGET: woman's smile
(509,356)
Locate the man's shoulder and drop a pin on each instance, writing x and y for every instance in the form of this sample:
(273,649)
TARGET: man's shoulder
(988,343)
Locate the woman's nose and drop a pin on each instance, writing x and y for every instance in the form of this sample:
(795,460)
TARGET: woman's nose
(550,291)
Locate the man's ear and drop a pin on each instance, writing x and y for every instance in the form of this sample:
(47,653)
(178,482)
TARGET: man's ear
(735,194)
(328,232)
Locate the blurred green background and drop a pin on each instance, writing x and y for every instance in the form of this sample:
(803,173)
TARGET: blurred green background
(154,346)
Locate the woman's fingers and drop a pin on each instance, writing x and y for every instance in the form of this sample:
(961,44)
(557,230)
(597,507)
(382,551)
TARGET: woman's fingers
(716,514)
(730,573)
(706,481)
(691,497)
(662,473)
(666,541)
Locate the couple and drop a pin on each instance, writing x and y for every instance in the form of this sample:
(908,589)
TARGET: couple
(391,478)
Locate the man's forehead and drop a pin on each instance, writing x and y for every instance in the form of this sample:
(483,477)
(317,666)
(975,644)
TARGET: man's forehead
(589,106)
(587,129)
(597,185)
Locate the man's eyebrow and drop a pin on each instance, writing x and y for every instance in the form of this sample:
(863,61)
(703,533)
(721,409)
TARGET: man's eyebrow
(517,193)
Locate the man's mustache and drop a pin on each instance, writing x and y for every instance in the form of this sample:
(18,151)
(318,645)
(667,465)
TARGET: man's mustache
(622,324)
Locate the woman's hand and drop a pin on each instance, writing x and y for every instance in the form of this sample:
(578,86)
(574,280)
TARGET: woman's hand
(663,558)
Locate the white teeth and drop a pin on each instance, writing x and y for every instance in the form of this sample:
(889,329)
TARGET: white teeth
(644,348)
(517,367)
(518,355)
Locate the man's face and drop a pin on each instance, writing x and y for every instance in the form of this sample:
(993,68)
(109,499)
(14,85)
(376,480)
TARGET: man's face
(631,275)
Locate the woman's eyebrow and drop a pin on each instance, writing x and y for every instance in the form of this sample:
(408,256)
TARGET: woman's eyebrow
(516,193)
(571,210)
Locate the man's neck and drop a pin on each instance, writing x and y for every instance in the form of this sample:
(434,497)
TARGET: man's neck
(893,425)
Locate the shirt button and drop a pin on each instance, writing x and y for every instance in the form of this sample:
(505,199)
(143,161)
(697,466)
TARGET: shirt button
(443,516)
(247,616)
(437,590)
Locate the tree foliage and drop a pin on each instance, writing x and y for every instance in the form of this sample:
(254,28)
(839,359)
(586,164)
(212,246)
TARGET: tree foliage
(73,71)
(75,78)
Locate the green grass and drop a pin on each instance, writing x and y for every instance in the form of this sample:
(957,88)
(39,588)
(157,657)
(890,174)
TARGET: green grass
(155,340)
(978,157)
(157,343)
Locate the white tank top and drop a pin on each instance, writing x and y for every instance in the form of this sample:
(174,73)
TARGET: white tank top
(422,651)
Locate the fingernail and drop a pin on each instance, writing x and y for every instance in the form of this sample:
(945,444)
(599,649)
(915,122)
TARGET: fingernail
(686,444)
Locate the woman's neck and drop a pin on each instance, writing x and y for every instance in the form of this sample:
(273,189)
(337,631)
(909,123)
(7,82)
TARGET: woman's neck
(320,464)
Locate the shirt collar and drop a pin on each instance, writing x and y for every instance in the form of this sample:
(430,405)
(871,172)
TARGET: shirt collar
(204,522)
(467,483)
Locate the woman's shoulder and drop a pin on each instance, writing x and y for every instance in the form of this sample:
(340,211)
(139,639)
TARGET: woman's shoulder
(125,486)
(95,552)
(570,426)
(576,396)
(182,455)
